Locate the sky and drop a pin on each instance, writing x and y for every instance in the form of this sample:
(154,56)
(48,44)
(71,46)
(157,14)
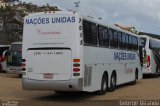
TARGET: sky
(144,15)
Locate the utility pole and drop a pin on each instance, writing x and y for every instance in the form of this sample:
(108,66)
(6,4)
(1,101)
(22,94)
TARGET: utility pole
(77,5)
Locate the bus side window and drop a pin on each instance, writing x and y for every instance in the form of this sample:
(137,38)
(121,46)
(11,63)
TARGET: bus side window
(111,40)
(106,34)
(127,41)
(115,39)
(86,31)
(136,40)
(135,43)
(124,41)
(101,36)
(120,40)
(130,43)
(94,34)
(90,33)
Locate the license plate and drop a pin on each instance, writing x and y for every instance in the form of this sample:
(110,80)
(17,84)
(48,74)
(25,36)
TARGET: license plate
(48,76)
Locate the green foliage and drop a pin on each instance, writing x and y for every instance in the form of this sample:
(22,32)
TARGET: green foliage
(21,9)
(11,1)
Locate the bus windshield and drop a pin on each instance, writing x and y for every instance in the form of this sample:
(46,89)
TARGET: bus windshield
(154,44)
(143,41)
(16,47)
(15,55)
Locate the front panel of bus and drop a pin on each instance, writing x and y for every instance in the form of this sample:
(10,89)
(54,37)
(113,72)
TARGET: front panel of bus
(14,59)
(149,63)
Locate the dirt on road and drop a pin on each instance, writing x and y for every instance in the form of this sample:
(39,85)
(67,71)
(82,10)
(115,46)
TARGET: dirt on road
(145,89)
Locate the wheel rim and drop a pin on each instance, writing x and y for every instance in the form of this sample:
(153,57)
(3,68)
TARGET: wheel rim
(104,87)
(113,81)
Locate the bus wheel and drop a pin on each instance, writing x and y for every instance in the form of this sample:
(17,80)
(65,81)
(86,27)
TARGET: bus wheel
(113,82)
(157,71)
(61,92)
(135,78)
(104,85)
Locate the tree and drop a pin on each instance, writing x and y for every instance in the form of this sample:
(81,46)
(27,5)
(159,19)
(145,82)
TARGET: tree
(24,3)
(11,1)
(47,5)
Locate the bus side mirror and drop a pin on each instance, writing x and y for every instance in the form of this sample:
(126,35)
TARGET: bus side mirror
(6,53)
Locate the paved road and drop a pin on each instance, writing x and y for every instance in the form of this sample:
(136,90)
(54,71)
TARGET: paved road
(145,89)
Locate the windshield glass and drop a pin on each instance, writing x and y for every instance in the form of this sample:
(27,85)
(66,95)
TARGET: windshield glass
(16,47)
(154,44)
(143,40)
(15,55)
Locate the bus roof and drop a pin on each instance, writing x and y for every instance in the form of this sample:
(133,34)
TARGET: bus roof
(149,37)
(4,45)
(16,43)
(51,12)
(97,21)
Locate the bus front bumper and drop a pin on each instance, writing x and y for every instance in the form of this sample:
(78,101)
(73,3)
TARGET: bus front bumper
(69,85)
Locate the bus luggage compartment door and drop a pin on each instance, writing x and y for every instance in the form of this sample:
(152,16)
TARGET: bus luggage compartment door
(49,64)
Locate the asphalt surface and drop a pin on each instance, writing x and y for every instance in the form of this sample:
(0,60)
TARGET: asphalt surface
(11,89)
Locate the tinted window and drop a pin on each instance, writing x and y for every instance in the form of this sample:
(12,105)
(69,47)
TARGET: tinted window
(2,49)
(103,36)
(120,40)
(143,40)
(87,34)
(154,44)
(90,33)
(135,43)
(94,33)
(127,42)
(16,47)
(106,37)
(111,39)
(115,35)
(15,55)
(123,41)
(136,40)
(130,43)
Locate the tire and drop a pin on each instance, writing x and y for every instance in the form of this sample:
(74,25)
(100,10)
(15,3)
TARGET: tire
(20,75)
(112,82)
(156,74)
(104,85)
(135,78)
(61,92)
(157,71)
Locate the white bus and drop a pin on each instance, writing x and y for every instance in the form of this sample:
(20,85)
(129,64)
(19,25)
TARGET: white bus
(65,52)
(151,55)
(3,49)
(14,59)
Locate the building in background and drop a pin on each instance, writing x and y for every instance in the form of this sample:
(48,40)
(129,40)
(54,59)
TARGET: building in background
(2,4)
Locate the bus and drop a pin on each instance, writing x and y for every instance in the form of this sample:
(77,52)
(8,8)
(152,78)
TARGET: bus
(151,55)
(63,51)
(14,59)
(3,49)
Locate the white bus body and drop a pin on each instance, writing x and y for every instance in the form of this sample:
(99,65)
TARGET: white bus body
(151,52)
(14,59)
(3,49)
(56,56)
